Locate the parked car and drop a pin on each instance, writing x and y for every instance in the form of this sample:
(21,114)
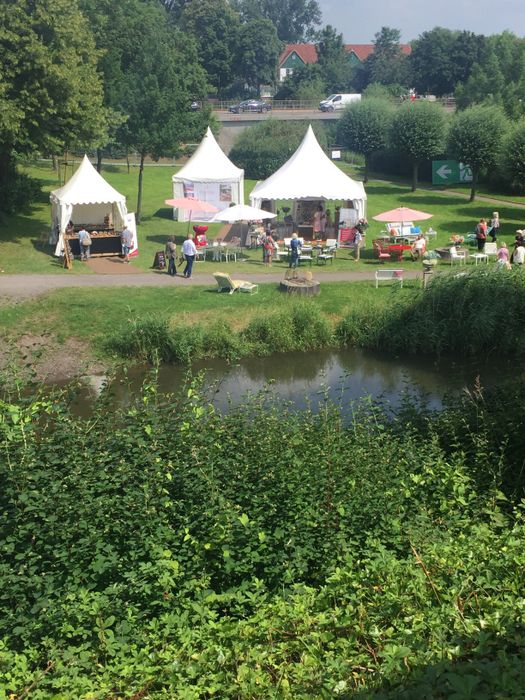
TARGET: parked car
(251,106)
(338,101)
(195,106)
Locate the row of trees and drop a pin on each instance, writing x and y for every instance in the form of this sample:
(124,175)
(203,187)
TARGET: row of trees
(473,67)
(480,136)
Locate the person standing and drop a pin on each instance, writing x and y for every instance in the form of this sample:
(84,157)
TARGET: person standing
(171,255)
(319,222)
(503,256)
(84,240)
(481,234)
(126,241)
(295,246)
(494,226)
(269,249)
(189,251)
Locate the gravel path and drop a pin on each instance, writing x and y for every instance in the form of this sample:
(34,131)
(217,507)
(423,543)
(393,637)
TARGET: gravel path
(21,287)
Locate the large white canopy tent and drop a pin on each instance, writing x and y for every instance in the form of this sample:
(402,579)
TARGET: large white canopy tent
(310,175)
(86,198)
(209,175)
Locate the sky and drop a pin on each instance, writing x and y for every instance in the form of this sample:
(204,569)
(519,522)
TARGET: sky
(359,20)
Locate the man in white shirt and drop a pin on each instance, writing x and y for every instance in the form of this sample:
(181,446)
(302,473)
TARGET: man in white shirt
(189,251)
(418,247)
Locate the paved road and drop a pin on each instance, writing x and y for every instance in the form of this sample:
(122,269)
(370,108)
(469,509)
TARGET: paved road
(21,287)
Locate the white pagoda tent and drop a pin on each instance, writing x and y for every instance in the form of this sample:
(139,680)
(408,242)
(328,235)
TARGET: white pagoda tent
(209,175)
(86,198)
(309,175)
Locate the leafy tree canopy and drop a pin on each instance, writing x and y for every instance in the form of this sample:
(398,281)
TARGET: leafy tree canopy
(295,20)
(512,155)
(387,64)
(418,132)
(475,137)
(364,127)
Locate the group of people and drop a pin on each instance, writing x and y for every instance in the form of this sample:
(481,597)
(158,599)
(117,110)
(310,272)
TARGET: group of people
(85,243)
(189,252)
(483,230)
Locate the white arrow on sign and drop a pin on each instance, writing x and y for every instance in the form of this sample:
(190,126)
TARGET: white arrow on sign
(443,172)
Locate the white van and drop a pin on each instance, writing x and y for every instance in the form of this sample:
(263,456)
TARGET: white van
(338,101)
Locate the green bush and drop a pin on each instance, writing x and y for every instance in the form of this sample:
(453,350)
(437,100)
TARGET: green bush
(183,553)
(262,149)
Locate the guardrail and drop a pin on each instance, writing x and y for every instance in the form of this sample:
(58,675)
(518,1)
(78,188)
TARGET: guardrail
(224,105)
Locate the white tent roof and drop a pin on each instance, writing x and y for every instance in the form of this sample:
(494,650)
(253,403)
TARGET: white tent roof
(86,186)
(309,173)
(209,164)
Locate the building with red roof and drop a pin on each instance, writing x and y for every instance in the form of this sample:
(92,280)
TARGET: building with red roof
(296,55)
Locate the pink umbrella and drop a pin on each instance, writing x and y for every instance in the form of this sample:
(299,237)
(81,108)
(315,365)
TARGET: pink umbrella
(192,204)
(402,214)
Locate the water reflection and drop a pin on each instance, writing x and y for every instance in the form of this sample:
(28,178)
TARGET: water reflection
(306,379)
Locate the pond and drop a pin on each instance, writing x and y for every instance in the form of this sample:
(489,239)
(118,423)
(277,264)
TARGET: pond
(307,379)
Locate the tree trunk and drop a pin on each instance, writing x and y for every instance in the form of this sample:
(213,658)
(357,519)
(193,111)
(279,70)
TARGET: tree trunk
(139,195)
(5,166)
(474,184)
(367,167)
(127,161)
(99,160)
(415,169)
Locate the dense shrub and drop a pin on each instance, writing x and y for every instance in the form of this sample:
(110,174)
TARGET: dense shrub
(260,554)
(262,149)
(17,192)
(482,312)
(299,326)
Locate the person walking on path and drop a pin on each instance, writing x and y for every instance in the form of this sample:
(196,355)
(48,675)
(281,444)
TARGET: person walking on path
(126,241)
(84,240)
(189,251)
(171,255)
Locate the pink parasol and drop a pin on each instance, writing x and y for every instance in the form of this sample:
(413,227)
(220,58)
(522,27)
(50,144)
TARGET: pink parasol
(192,204)
(402,214)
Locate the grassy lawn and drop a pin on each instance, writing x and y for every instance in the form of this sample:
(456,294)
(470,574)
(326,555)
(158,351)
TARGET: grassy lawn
(23,237)
(108,309)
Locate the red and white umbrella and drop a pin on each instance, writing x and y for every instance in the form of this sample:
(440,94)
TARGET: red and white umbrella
(402,214)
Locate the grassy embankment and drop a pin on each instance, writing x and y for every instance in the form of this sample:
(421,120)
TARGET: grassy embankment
(22,237)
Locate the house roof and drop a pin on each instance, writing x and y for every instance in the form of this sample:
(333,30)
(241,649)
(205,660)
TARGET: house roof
(363,51)
(309,173)
(308,52)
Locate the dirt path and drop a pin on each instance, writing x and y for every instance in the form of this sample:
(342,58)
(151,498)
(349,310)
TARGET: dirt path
(22,287)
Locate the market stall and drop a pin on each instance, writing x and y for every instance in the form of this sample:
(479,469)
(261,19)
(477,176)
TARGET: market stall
(310,179)
(210,176)
(88,201)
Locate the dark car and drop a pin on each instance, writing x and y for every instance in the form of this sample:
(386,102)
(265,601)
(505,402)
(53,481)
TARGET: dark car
(251,106)
(195,106)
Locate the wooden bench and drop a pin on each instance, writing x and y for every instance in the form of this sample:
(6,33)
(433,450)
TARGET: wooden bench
(392,275)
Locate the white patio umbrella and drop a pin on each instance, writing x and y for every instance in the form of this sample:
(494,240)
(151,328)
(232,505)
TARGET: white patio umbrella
(242,212)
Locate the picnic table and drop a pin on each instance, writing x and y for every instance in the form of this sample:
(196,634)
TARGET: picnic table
(398,250)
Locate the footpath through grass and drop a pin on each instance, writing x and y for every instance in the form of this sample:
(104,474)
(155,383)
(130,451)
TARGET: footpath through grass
(23,237)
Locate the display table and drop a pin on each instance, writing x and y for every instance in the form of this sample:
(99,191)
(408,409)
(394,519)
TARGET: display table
(105,242)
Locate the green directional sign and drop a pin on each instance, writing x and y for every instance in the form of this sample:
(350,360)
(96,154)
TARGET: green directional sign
(450,172)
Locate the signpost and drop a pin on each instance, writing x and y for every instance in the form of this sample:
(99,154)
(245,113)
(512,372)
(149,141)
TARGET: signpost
(450,172)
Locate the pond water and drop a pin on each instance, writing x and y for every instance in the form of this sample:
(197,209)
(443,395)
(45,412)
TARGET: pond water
(306,379)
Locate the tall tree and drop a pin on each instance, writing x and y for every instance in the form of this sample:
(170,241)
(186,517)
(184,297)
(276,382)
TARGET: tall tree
(432,62)
(418,132)
(387,64)
(512,155)
(333,61)
(256,60)
(475,138)
(295,20)
(50,93)
(214,28)
(158,77)
(364,128)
